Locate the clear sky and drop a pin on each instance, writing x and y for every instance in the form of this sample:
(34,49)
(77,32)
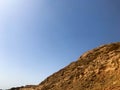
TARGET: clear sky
(39,37)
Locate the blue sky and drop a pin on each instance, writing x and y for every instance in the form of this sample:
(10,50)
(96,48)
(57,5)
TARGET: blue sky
(39,37)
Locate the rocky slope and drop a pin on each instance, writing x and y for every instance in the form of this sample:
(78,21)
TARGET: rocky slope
(97,69)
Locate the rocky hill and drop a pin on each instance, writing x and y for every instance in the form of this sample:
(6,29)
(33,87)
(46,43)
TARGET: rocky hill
(97,69)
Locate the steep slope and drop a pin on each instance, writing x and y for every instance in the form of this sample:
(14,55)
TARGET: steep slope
(97,69)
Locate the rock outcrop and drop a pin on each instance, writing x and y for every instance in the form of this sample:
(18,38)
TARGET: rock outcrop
(97,69)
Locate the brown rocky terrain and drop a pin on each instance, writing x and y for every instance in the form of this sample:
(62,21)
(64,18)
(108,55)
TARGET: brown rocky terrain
(97,69)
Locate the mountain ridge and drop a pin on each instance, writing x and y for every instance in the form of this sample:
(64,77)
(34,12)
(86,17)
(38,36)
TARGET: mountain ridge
(96,69)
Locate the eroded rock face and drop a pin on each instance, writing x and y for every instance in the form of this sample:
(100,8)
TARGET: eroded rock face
(97,69)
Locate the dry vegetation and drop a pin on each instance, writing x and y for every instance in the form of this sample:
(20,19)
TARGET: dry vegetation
(97,69)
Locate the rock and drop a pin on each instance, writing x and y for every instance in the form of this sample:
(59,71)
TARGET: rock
(97,69)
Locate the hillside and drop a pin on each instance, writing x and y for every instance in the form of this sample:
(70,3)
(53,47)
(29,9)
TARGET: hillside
(97,69)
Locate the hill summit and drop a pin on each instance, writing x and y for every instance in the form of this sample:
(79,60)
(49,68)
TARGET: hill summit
(97,69)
